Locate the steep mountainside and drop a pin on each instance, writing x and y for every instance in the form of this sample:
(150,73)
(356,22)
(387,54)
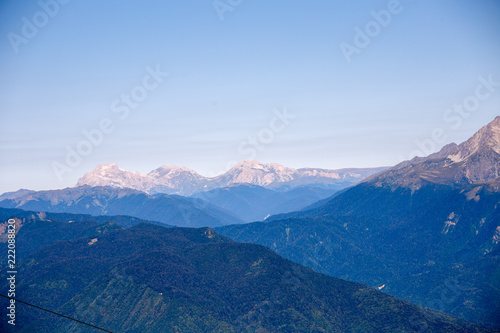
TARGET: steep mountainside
(412,244)
(154,279)
(172,210)
(412,231)
(183,181)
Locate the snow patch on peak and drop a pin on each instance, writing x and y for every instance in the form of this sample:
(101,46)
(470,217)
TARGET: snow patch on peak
(248,163)
(256,173)
(108,166)
(171,171)
(487,136)
(323,173)
(173,168)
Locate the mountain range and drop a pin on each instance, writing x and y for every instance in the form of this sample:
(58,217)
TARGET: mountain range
(229,205)
(107,200)
(149,278)
(184,181)
(254,191)
(426,230)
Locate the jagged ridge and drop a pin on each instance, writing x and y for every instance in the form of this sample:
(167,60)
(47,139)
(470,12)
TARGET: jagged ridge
(475,160)
(184,181)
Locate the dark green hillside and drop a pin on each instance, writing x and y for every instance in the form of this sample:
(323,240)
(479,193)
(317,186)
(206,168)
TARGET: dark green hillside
(38,229)
(414,243)
(154,279)
(31,216)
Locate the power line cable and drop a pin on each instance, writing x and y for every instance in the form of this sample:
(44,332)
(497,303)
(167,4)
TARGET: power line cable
(38,307)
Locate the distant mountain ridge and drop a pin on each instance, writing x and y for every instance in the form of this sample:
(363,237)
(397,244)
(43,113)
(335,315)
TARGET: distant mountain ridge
(184,181)
(106,200)
(16,194)
(37,216)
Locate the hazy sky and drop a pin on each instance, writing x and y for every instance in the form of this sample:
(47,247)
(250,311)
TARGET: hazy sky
(355,83)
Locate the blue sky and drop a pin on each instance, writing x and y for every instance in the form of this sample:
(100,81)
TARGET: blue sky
(228,78)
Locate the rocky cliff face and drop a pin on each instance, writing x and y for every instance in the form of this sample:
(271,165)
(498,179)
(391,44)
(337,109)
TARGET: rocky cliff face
(475,160)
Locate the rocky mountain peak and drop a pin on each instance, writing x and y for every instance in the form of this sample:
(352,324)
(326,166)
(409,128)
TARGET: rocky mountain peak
(184,181)
(475,160)
(107,167)
(257,173)
(171,171)
(486,137)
